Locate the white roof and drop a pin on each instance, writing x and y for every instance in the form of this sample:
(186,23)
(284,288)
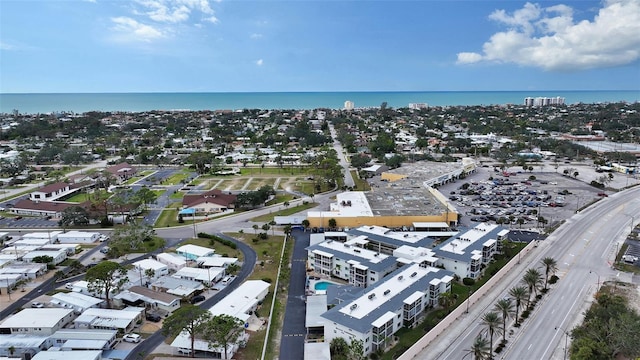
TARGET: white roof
(75,299)
(317,351)
(350,248)
(52,235)
(195,250)
(413,297)
(238,302)
(375,298)
(76,234)
(149,264)
(21,341)
(68,355)
(44,318)
(383,319)
(172,258)
(110,318)
(88,334)
(216,261)
(359,206)
(316,306)
(198,273)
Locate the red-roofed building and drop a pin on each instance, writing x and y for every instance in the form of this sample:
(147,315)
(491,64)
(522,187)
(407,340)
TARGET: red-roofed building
(212,201)
(51,192)
(122,171)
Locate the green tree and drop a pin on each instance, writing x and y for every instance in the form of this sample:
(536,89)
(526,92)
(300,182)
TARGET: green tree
(338,348)
(446,300)
(305,223)
(533,279)
(131,236)
(222,330)
(480,350)
(74,215)
(550,267)
(232,269)
(43,259)
(360,161)
(356,350)
(506,309)
(332,223)
(106,277)
(491,321)
(189,319)
(519,294)
(146,196)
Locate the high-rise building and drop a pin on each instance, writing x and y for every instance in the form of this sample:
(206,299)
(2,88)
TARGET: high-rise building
(349,105)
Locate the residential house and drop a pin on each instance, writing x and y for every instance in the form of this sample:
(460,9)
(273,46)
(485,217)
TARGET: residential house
(145,297)
(210,202)
(22,346)
(193,252)
(173,261)
(122,172)
(176,286)
(44,321)
(110,319)
(72,339)
(75,301)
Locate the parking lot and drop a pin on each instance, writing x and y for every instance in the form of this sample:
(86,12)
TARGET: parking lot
(517,199)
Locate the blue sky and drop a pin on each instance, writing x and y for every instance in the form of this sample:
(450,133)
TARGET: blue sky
(63,46)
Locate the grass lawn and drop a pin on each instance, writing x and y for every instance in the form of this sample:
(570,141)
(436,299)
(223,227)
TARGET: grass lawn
(83,196)
(178,195)
(169,216)
(280,198)
(273,171)
(360,184)
(288,211)
(176,178)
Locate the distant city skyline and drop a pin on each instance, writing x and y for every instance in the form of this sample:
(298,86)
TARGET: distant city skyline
(99,46)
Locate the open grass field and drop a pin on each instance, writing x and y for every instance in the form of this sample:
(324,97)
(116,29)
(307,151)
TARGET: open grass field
(284,171)
(176,178)
(360,184)
(83,196)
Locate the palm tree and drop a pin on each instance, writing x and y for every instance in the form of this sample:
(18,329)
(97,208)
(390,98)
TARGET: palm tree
(550,267)
(479,349)
(505,308)
(446,300)
(532,278)
(519,294)
(492,321)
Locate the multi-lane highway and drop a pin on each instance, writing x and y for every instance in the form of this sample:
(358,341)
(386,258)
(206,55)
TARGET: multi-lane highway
(584,248)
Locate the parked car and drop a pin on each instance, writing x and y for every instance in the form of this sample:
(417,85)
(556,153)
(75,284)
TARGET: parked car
(104,250)
(184,351)
(132,338)
(37,304)
(153,317)
(17,218)
(197,299)
(68,286)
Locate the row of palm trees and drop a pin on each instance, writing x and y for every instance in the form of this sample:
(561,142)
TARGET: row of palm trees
(495,321)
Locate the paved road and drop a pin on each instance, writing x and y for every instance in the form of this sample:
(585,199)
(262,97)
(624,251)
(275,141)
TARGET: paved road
(348,179)
(293,329)
(584,248)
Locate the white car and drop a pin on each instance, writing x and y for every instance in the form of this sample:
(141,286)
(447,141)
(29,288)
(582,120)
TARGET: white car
(37,304)
(184,351)
(68,286)
(132,338)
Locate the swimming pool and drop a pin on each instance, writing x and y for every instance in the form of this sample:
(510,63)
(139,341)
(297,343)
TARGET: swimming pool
(322,285)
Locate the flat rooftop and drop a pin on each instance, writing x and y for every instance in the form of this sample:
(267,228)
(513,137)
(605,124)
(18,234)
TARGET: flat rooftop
(426,170)
(405,197)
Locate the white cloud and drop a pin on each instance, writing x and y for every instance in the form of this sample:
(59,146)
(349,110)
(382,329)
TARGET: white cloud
(5,46)
(549,38)
(129,29)
(255,36)
(176,11)
(259,62)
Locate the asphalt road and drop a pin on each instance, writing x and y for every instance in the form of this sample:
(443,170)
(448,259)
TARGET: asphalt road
(584,248)
(348,179)
(293,328)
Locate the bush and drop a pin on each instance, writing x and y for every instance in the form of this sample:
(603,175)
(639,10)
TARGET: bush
(468,281)
(553,279)
(525,314)
(222,241)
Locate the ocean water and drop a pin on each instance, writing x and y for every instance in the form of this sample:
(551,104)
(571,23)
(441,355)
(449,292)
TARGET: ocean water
(135,102)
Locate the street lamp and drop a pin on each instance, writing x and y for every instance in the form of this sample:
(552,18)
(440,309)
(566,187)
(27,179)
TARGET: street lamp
(566,339)
(591,271)
(468,299)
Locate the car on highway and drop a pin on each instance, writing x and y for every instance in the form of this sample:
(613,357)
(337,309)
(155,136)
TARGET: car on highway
(132,338)
(37,304)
